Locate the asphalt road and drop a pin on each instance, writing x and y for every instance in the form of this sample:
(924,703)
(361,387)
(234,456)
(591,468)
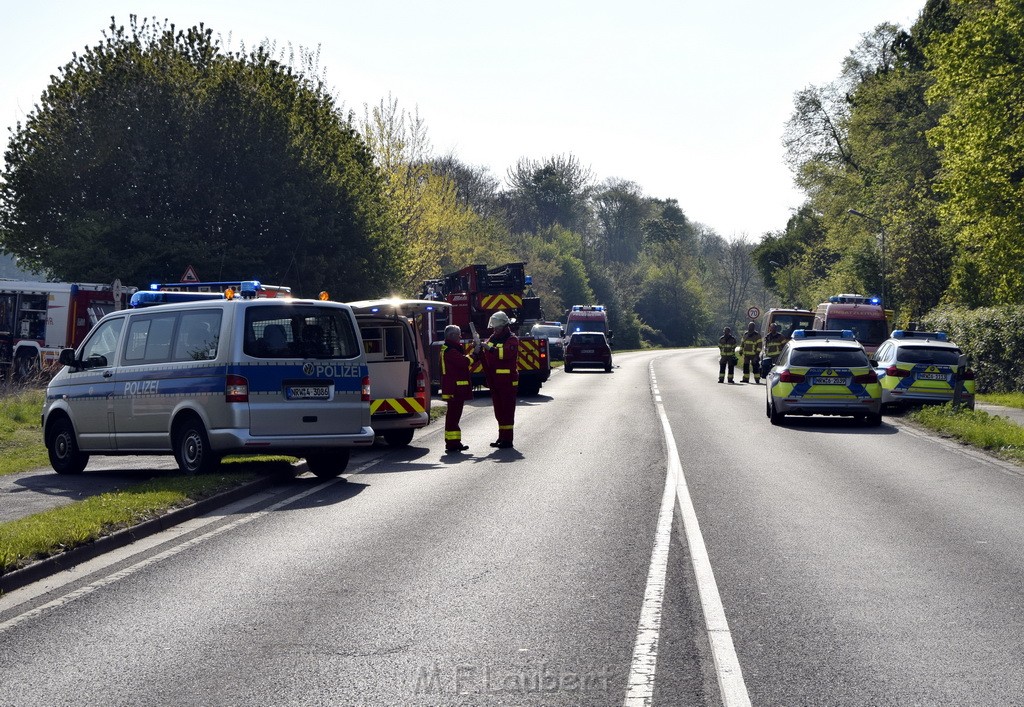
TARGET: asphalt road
(855,566)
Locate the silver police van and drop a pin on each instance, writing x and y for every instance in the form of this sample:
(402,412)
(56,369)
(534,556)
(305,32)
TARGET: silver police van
(213,376)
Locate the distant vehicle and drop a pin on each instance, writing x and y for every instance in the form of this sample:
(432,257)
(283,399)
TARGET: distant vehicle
(862,315)
(211,377)
(587,350)
(919,367)
(823,373)
(552,331)
(587,317)
(789,320)
(38,319)
(396,354)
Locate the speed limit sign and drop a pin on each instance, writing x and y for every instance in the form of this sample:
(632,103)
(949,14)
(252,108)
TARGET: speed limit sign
(753,313)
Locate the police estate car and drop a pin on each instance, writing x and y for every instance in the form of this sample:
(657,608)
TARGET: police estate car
(823,373)
(920,367)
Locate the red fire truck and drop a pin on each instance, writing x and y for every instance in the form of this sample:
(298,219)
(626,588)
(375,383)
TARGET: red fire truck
(38,319)
(475,293)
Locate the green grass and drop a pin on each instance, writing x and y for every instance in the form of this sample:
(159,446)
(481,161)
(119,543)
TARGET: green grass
(1010,400)
(54,531)
(975,427)
(21,437)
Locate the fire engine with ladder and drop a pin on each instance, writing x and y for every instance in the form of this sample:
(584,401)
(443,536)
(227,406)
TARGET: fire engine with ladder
(38,319)
(475,293)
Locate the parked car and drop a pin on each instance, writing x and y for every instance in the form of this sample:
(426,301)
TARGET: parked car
(213,376)
(823,372)
(919,367)
(552,331)
(587,350)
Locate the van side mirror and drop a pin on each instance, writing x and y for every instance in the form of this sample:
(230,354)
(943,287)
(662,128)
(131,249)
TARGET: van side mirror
(67,357)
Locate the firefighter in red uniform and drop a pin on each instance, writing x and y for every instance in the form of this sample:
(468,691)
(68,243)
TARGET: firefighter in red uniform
(501,369)
(456,387)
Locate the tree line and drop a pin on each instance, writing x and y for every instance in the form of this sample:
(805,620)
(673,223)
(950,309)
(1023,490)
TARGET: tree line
(159,148)
(912,165)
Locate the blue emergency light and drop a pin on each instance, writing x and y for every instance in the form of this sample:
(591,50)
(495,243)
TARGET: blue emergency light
(152,298)
(905,334)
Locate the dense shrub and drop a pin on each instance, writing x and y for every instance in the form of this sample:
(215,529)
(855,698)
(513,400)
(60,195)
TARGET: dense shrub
(994,339)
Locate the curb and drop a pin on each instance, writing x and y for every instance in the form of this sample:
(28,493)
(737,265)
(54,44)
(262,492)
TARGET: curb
(16,579)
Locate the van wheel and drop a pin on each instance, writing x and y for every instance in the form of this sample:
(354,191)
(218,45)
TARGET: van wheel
(398,438)
(65,457)
(192,449)
(329,464)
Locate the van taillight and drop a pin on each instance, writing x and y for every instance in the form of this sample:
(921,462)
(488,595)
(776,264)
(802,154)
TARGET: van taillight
(236,389)
(366,389)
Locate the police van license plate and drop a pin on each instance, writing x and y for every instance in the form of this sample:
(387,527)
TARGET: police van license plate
(932,376)
(308,392)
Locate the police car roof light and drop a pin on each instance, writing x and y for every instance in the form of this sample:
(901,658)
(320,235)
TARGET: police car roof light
(824,334)
(904,334)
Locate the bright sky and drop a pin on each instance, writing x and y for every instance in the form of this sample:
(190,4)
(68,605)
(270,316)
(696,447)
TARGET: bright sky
(687,98)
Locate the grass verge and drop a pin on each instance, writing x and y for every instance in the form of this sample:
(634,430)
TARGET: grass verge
(1010,400)
(975,427)
(21,438)
(51,532)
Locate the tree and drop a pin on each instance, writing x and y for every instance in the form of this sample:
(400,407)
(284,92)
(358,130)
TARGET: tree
(621,210)
(979,79)
(157,149)
(544,193)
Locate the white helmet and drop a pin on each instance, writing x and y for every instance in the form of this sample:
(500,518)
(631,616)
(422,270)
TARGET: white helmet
(498,319)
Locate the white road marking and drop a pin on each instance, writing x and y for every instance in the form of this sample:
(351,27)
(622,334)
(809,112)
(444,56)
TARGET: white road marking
(16,598)
(640,687)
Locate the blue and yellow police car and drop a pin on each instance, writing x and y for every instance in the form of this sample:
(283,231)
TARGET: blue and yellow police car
(920,367)
(823,372)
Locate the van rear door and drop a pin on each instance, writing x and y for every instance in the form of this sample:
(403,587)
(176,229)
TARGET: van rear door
(307,372)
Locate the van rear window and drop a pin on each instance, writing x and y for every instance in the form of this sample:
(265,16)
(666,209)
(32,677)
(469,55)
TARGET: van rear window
(299,331)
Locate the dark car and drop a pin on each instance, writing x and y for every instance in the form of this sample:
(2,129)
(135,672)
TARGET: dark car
(552,331)
(587,349)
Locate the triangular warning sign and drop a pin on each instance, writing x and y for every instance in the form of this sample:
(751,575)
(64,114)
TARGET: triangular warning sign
(190,275)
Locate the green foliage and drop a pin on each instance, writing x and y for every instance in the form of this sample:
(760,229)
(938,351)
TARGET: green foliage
(157,149)
(992,336)
(991,432)
(979,80)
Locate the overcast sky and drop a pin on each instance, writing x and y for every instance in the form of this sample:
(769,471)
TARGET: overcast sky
(686,98)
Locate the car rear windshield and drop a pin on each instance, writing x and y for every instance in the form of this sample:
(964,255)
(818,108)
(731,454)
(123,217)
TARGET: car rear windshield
(813,357)
(546,331)
(587,340)
(299,331)
(928,354)
(870,332)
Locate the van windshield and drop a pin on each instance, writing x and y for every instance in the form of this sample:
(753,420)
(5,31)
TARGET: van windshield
(788,323)
(585,325)
(870,332)
(299,331)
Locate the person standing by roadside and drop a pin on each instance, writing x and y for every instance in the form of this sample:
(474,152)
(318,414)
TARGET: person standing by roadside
(773,343)
(456,386)
(727,355)
(501,369)
(751,347)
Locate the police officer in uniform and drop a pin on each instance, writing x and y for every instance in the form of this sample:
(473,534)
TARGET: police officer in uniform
(751,345)
(456,386)
(727,359)
(500,356)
